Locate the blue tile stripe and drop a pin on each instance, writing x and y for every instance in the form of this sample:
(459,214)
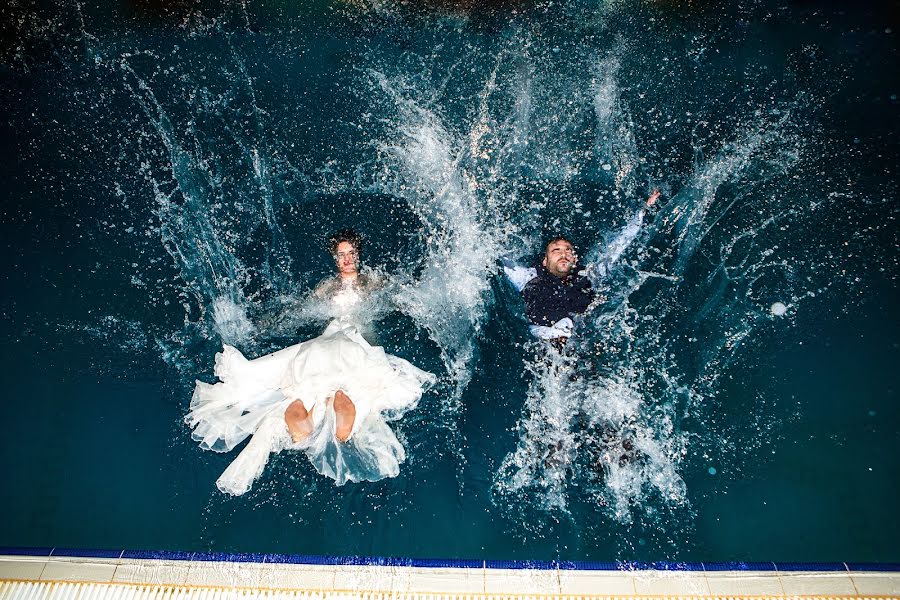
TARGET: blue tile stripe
(21,551)
(661,566)
(309,559)
(803,566)
(158,555)
(882,567)
(446,563)
(739,566)
(87,552)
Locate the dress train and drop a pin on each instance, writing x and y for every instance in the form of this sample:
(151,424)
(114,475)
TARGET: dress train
(252,396)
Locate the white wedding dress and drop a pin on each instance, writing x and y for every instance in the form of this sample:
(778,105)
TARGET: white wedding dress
(252,396)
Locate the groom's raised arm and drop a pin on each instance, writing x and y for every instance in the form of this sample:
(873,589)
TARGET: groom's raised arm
(614,250)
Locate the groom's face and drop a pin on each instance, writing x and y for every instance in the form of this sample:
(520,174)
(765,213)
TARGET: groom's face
(560,258)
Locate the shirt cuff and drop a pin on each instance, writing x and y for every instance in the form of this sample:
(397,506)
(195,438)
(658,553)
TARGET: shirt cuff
(518,276)
(562,328)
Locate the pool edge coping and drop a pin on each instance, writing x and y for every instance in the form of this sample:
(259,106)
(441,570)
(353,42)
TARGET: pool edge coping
(453,563)
(111,570)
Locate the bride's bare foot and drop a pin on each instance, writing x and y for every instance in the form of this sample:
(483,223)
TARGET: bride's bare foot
(345,415)
(298,420)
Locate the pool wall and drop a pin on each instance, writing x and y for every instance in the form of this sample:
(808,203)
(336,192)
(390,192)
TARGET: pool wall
(67,574)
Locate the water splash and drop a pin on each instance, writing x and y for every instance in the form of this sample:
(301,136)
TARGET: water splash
(584,430)
(615,145)
(450,295)
(547,442)
(231,322)
(188,233)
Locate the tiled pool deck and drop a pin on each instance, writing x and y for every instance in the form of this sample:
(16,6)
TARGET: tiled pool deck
(57,574)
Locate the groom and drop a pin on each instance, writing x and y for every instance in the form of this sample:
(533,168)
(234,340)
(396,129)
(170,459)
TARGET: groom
(554,292)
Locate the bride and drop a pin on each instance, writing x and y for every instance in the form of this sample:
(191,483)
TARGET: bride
(329,396)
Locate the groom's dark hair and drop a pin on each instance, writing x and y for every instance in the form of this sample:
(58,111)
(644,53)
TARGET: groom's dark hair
(345,235)
(556,237)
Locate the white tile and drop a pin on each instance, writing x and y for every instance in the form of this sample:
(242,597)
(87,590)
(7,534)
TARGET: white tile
(371,578)
(446,580)
(11,568)
(599,583)
(297,577)
(225,574)
(755,583)
(152,572)
(78,570)
(84,559)
(818,584)
(670,583)
(530,581)
(876,584)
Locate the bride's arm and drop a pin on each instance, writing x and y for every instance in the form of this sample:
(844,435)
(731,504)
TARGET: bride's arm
(325,289)
(374,282)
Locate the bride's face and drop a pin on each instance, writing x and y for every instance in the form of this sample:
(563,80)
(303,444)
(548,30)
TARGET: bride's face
(347,259)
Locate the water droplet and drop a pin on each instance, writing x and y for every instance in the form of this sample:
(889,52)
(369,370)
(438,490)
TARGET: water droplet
(778,309)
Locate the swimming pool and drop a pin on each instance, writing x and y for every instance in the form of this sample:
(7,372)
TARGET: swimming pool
(171,176)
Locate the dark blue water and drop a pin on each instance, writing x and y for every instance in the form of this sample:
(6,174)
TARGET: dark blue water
(171,173)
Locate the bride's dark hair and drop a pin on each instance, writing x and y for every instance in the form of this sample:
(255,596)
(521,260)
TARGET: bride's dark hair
(345,235)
